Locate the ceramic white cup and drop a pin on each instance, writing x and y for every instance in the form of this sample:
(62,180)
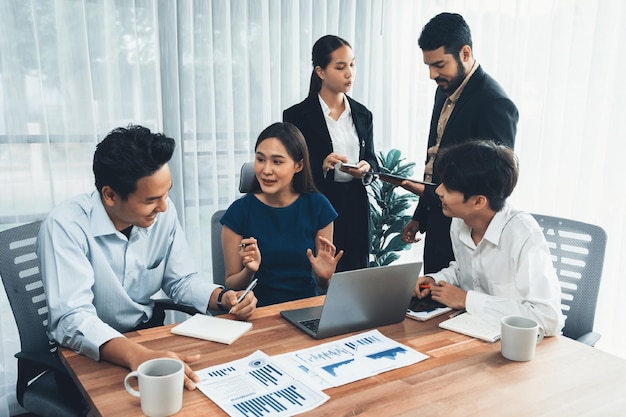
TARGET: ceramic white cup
(518,338)
(160,386)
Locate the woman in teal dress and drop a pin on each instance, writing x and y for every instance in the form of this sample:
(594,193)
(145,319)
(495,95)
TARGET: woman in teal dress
(282,231)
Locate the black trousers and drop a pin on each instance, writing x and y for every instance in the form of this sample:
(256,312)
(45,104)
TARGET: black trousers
(437,245)
(352,231)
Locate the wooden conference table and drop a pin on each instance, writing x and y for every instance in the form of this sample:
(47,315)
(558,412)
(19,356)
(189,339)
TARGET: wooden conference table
(463,376)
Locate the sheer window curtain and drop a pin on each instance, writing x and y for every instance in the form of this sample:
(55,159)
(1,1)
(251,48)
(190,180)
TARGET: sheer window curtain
(213,74)
(70,71)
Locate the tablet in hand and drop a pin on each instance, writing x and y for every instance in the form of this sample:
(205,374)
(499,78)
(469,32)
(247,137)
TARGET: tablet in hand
(344,165)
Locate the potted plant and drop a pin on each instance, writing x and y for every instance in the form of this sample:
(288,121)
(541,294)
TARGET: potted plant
(391,208)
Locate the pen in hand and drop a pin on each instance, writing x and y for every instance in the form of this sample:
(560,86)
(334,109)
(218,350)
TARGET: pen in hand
(247,290)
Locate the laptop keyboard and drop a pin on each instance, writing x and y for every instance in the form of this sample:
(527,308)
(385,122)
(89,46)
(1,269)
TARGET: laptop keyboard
(311,324)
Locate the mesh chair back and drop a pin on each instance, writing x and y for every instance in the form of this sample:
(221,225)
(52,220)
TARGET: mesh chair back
(37,391)
(577,250)
(21,276)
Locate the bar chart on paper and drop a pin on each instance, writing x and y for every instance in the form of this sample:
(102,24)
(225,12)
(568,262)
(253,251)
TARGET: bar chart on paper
(254,386)
(285,385)
(352,358)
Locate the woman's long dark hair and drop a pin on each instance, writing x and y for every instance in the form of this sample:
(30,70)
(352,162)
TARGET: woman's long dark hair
(322,50)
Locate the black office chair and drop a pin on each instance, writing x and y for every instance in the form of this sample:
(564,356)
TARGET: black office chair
(577,250)
(43,385)
(21,276)
(217,254)
(246,177)
(246,180)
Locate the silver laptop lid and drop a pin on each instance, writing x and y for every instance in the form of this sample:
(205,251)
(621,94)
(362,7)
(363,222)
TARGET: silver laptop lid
(367,298)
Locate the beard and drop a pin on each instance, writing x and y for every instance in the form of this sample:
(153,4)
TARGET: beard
(453,83)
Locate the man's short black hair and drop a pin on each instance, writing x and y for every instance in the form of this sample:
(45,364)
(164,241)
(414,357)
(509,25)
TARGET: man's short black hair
(127,154)
(448,30)
(479,167)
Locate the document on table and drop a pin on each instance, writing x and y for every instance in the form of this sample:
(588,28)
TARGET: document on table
(257,386)
(347,360)
(289,384)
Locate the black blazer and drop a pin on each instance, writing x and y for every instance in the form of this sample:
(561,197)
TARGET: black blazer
(483,112)
(308,117)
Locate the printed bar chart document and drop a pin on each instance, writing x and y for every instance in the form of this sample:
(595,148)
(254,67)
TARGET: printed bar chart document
(285,385)
(257,386)
(349,359)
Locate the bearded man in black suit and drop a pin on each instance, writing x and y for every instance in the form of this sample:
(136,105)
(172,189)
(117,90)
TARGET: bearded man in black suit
(469,104)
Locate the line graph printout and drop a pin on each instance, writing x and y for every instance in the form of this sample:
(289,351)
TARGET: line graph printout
(347,360)
(256,386)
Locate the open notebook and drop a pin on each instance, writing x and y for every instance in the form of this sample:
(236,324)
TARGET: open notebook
(215,329)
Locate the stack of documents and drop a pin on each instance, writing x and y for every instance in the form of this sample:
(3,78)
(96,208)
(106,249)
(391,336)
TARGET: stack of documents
(290,384)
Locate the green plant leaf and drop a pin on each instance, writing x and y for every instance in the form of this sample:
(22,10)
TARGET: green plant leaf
(389,257)
(391,209)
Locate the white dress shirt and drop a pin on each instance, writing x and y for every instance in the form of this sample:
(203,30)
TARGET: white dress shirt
(509,272)
(98,283)
(343,136)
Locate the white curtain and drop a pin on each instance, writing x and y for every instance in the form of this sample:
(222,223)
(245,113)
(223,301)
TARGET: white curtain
(213,74)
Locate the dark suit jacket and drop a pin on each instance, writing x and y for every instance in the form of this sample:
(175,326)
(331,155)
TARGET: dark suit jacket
(352,227)
(483,111)
(308,117)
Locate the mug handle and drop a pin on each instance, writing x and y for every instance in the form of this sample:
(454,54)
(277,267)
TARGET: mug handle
(130,389)
(540,334)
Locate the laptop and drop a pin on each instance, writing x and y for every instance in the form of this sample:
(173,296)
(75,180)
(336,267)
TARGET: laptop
(358,300)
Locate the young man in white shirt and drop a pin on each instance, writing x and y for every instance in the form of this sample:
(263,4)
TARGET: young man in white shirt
(503,264)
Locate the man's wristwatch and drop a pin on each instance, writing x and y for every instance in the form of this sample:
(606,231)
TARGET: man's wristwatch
(219,299)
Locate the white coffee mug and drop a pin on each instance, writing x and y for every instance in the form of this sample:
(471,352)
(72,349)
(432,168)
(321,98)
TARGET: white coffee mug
(519,336)
(160,386)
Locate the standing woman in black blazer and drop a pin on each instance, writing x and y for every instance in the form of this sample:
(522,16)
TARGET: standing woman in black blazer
(339,130)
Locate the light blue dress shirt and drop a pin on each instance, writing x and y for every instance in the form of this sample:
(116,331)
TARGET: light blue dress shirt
(98,283)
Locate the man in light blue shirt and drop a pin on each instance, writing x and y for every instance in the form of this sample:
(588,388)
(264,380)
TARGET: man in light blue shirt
(106,253)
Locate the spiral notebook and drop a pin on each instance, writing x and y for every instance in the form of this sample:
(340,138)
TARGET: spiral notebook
(474,326)
(215,329)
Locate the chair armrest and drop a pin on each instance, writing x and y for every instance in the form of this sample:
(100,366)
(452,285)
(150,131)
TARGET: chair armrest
(45,361)
(590,338)
(167,304)
(32,364)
